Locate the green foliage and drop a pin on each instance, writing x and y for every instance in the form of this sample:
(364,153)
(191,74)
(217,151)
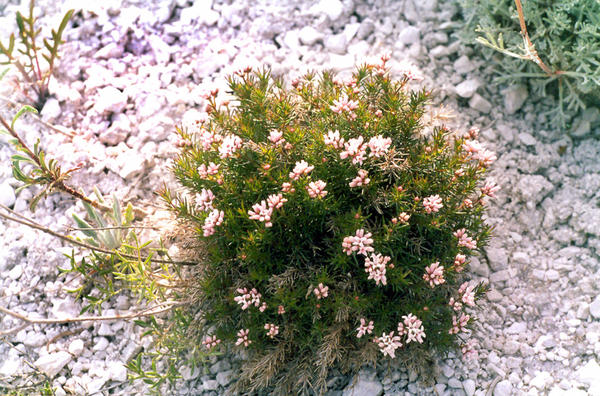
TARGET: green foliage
(565,35)
(36,77)
(245,154)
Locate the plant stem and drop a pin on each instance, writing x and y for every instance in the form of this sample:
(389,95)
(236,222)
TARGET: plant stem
(529,44)
(32,224)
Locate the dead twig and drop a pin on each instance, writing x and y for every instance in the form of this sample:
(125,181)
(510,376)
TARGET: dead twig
(529,47)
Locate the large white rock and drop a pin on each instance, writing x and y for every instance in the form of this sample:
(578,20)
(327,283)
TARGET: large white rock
(409,35)
(110,99)
(309,35)
(332,8)
(469,387)
(595,307)
(7,195)
(76,347)
(514,97)
(116,371)
(467,88)
(503,388)
(365,385)
(52,363)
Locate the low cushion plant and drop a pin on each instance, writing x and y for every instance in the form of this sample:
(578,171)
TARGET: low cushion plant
(337,230)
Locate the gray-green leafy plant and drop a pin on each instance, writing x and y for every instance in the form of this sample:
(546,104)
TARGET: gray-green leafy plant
(27,59)
(555,45)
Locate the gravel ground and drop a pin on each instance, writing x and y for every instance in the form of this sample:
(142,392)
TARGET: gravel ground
(131,71)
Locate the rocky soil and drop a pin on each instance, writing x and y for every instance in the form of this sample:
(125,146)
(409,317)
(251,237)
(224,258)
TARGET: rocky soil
(132,70)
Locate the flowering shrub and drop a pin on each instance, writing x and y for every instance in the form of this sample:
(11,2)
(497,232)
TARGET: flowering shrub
(336,233)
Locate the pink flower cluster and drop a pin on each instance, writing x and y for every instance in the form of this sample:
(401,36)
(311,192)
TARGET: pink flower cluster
(334,139)
(467,294)
(214,219)
(204,171)
(276,201)
(360,243)
(459,262)
(410,71)
(402,218)
(316,189)
(412,327)
(361,179)
(432,203)
(490,189)
(276,137)
(468,350)
(205,199)
(211,342)
(301,168)
(459,324)
(375,267)
(321,291)
(434,274)
(476,151)
(261,212)
(388,344)
(364,328)
(230,144)
(207,138)
(379,146)
(464,239)
(272,330)
(246,299)
(280,310)
(243,338)
(355,149)
(287,188)
(343,104)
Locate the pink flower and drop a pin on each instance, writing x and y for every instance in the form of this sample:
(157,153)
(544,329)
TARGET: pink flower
(355,149)
(410,71)
(379,146)
(261,212)
(344,105)
(230,145)
(459,262)
(467,203)
(388,344)
(490,189)
(272,330)
(456,305)
(211,342)
(361,179)
(403,217)
(204,171)
(243,337)
(360,243)
(467,294)
(214,219)
(276,201)
(468,350)
(464,239)
(301,168)
(276,137)
(434,274)
(364,328)
(321,291)
(459,324)
(204,200)
(317,189)
(472,146)
(375,267)
(246,299)
(432,203)
(413,328)
(207,138)
(287,187)
(263,307)
(486,157)
(280,310)
(334,139)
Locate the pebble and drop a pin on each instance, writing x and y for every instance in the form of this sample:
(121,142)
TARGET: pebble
(111,100)
(332,8)
(503,388)
(514,97)
(210,385)
(336,43)
(497,258)
(76,347)
(467,88)
(364,386)
(7,195)
(52,363)
(527,139)
(494,296)
(116,371)
(595,308)
(480,104)
(309,35)
(463,65)
(410,35)
(51,110)
(469,387)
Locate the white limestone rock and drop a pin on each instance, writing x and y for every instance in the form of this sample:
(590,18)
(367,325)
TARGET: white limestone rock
(52,363)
